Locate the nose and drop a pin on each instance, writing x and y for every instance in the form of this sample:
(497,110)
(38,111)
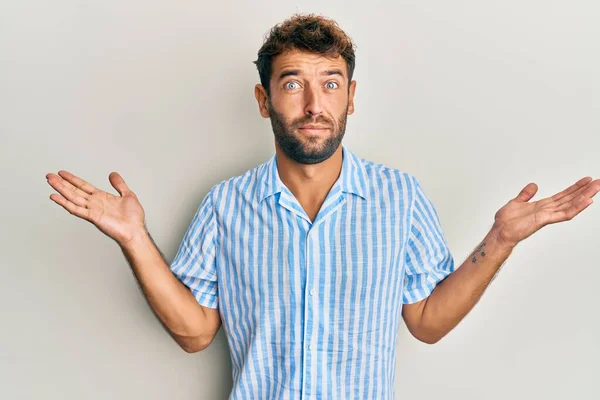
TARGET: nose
(314,105)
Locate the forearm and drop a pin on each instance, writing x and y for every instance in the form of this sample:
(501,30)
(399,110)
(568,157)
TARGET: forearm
(456,295)
(172,302)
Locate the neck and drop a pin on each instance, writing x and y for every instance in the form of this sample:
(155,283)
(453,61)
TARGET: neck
(309,182)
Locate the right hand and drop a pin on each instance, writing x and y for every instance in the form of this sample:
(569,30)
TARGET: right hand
(119,217)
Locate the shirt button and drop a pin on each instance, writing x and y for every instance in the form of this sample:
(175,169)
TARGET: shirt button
(311,292)
(310,347)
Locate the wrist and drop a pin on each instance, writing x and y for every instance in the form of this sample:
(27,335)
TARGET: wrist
(134,238)
(500,241)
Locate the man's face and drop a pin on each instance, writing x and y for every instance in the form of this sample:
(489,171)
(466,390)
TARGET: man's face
(308,90)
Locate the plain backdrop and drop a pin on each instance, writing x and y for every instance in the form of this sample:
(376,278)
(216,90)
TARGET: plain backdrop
(474,98)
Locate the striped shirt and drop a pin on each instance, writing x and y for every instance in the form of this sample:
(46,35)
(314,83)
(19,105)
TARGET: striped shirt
(311,310)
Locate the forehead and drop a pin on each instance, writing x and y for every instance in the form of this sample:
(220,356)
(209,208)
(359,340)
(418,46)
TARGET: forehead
(302,60)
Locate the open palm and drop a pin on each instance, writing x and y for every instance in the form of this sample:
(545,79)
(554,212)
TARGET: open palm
(519,219)
(119,217)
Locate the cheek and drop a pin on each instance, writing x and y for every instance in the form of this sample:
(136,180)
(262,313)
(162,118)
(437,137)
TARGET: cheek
(337,105)
(341,103)
(296,105)
(289,105)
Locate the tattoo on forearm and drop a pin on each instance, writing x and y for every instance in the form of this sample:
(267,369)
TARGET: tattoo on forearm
(478,252)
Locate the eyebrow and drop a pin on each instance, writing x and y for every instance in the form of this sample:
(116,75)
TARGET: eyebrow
(296,72)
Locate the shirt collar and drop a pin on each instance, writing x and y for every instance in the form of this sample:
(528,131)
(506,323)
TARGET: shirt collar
(352,179)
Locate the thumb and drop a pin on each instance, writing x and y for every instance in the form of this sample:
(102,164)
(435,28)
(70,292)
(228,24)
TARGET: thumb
(118,183)
(527,193)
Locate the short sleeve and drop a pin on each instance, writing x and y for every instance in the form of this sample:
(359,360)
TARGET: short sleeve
(195,261)
(428,258)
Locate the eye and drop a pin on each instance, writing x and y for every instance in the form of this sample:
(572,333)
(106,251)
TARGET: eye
(287,85)
(333,85)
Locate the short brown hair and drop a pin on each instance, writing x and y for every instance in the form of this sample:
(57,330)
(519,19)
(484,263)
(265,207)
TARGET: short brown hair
(307,32)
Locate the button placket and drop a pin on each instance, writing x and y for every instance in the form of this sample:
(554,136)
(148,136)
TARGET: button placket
(314,246)
(308,309)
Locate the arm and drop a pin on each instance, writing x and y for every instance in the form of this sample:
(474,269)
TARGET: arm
(192,325)
(432,318)
(121,218)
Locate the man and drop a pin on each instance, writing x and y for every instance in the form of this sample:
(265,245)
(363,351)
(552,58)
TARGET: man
(309,259)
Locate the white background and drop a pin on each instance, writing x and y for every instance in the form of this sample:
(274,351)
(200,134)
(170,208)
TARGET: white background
(475,98)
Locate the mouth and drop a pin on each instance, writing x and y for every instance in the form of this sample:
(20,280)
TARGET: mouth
(313,129)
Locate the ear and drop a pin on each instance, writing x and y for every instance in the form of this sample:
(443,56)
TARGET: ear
(351,97)
(261,97)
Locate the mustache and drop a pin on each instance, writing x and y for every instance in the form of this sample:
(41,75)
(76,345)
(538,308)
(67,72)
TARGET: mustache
(310,121)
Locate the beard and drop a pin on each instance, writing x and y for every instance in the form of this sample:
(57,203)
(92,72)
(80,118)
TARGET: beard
(306,149)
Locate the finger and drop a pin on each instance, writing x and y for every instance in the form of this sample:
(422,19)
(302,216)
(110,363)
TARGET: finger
(528,192)
(588,191)
(70,207)
(571,189)
(70,192)
(77,182)
(118,183)
(593,188)
(568,213)
(583,195)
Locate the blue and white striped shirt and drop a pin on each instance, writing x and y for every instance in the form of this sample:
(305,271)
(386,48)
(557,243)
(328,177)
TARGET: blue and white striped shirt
(311,310)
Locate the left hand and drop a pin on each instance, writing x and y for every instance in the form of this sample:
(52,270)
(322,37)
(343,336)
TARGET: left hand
(519,219)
